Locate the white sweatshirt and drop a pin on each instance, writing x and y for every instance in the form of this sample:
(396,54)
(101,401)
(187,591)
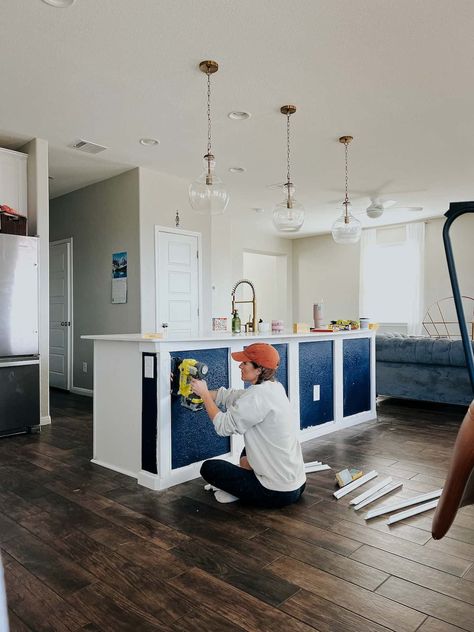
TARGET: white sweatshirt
(263,414)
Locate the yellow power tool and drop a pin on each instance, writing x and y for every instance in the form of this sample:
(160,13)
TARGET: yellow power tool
(189,368)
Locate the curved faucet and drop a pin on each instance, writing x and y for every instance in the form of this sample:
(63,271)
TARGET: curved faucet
(253,301)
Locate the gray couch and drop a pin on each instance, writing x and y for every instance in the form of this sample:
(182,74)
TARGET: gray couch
(429,369)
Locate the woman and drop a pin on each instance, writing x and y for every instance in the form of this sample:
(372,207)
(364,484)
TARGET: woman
(271,472)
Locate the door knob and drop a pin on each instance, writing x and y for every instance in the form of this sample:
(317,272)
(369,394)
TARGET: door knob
(62,324)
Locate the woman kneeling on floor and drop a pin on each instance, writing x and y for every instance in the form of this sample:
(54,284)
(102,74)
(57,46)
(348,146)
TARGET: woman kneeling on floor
(271,472)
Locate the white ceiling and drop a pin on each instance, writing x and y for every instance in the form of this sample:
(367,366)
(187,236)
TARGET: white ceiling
(397,75)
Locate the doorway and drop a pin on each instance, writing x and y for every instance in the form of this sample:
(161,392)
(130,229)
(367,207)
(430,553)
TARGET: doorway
(268,272)
(60,313)
(178,280)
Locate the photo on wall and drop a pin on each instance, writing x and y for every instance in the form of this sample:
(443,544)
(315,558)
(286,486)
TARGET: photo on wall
(119,265)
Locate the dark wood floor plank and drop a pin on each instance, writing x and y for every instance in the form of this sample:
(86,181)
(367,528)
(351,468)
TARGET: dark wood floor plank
(42,561)
(358,600)
(431,603)
(470,574)
(204,620)
(452,547)
(327,616)
(36,604)
(416,573)
(112,611)
(435,625)
(433,557)
(232,604)
(16,624)
(328,561)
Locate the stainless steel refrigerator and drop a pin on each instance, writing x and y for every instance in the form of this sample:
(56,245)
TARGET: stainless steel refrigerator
(19,359)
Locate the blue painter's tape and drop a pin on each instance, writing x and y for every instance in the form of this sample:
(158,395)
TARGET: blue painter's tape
(193,437)
(356,367)
(316,368)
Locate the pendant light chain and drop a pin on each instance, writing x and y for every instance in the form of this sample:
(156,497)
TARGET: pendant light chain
(209,150)
(346,199)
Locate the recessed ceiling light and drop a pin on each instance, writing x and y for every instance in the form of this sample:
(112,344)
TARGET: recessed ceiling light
(149,142)
(237,169)
(258,209)
(60,4)
(239,116)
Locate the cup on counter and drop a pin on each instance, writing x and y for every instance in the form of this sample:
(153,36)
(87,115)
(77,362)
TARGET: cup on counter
(264,328)
(278,326)
(364,323)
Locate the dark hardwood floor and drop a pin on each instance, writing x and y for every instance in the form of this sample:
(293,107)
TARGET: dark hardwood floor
(85,548)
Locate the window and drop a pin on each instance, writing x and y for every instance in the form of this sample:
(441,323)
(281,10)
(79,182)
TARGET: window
(391,275)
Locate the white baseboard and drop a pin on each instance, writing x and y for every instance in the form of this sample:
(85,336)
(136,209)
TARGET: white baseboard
(331,426)
(82,391)
(45,420)
(115,468)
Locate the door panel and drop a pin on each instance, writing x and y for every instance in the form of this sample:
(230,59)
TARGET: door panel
(177,279)
(59,314)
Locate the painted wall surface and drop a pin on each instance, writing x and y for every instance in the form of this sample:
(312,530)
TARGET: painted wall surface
(232,234)
(325,270)
(38,224)
(102,219)
(269,276)
(437,284)
(160,196)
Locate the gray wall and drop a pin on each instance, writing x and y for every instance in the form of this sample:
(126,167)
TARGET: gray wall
(102,219)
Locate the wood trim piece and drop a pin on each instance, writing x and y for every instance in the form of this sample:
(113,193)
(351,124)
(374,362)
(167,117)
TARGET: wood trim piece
(371,491)
(412,512)
(347,489)
(382,492)
(402,503)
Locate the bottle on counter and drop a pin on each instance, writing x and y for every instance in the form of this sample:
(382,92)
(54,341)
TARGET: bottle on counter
(235,322)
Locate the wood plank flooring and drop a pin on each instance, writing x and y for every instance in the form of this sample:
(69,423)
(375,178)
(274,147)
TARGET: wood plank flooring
(85,548)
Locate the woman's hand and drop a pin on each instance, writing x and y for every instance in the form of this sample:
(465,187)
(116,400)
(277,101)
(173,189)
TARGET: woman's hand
(199,387)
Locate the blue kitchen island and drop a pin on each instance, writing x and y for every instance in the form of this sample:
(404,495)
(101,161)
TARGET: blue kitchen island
(142,430)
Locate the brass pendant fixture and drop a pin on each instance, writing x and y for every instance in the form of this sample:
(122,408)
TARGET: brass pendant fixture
(207,194)
(288,215)
(346,229)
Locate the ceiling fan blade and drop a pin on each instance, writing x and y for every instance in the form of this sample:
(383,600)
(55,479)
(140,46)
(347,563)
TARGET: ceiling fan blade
(411,209)
(387,203)
(276,185)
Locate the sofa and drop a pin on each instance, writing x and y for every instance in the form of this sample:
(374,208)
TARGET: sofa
(429,369)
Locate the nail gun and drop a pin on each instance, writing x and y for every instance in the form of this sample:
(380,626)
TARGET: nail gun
(183,371)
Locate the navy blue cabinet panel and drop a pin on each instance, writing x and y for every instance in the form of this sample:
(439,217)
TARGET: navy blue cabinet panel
(149,417)
(193,437)
(282,372)
(356,368)
(316,368)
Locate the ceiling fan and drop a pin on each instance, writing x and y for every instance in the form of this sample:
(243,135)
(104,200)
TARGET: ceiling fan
(378,205)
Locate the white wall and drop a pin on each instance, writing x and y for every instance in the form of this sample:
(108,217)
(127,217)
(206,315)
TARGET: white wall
(38,224)
(325,270)
(159,197)
(269,276)
(437,284)
(232,234)
(102,219)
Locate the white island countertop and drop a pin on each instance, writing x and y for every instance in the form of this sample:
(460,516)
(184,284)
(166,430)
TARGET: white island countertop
(227,336)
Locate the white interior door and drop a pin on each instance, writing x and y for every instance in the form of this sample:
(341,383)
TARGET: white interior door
(60,314)
(177,281)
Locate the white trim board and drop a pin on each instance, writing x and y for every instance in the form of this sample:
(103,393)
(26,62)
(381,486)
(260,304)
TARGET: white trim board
(413,511)
(374,497)
(371,491)
(347,489)
(402,503)
(311,463)
(316,468)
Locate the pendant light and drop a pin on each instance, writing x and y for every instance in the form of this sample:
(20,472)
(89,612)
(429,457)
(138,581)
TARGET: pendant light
(346,229)
(288,215)
(207,194)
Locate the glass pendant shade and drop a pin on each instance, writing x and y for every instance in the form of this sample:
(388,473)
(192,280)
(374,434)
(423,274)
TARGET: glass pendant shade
(288,215)
(207,194)
(346,229)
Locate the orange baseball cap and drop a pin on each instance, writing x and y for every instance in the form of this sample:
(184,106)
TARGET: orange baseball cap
(261,353)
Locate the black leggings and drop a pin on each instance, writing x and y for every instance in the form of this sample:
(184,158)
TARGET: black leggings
(245,485)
